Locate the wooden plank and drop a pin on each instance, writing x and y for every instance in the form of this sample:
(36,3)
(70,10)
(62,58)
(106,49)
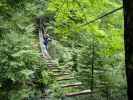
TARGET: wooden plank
(56,71)
(62,74)
(72,85)
(52,68)
(68,78)
(84,92)
(50,65)
(62,71)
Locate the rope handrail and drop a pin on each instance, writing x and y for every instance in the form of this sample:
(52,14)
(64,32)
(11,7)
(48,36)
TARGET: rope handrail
(104,15)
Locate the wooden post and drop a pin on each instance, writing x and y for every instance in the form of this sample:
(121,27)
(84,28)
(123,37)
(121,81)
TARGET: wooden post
(107,93)
(92,66)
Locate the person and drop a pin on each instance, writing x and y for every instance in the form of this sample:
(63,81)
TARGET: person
(46,40)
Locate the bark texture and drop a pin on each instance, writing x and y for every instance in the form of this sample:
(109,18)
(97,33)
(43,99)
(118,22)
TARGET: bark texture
(128,37)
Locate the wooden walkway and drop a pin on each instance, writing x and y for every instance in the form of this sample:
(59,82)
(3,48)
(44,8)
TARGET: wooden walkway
(62,73)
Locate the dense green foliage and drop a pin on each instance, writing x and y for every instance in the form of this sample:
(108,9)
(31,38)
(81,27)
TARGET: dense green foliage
(95,51)
(20,60)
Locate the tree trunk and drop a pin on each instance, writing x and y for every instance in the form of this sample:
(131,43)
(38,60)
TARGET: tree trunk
(128,37)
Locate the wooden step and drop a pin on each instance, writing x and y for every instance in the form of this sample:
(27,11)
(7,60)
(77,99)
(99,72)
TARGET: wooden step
(84,92)
(52,68)
(58,71)
(62,74)
(68,78)
(50,65)
(72,85)
(62,71)
(68,81)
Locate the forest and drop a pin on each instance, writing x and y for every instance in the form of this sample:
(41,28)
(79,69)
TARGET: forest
(84,58)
